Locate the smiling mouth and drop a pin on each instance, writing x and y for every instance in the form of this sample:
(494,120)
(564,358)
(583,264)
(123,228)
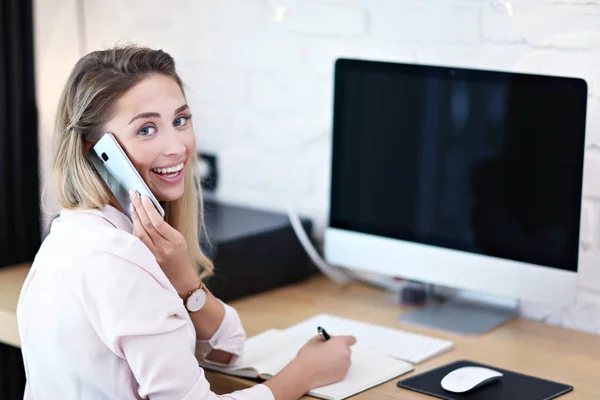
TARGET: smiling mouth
(169,172)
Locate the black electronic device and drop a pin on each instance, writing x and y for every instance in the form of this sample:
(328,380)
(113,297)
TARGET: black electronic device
(253,250)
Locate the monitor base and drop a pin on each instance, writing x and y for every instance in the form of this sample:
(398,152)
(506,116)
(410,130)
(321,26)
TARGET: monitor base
(463,315)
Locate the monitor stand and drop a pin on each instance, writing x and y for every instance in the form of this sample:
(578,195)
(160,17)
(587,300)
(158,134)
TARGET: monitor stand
(466,313)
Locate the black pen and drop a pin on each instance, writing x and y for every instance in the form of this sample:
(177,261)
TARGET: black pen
(323,333)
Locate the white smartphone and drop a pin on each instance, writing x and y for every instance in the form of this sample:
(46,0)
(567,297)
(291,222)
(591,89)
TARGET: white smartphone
(118,172)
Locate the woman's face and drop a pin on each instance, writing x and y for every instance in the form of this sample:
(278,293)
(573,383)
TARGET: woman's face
(152,123)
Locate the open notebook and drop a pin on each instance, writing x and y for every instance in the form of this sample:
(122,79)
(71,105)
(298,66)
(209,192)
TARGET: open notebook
(269,352)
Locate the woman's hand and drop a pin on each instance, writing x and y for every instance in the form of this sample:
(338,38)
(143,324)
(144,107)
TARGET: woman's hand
(328,361)
(166,243)
(318,363)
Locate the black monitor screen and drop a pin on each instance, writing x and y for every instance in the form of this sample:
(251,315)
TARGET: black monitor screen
(479,161)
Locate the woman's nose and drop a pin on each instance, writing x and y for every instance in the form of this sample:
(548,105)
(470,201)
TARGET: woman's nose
(174,144)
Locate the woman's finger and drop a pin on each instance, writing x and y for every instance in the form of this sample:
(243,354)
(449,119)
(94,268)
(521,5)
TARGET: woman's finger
(163,228)
(138,229)
(145,219)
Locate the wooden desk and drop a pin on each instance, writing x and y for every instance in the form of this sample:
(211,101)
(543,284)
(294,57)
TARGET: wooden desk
(11,280)
(527,347)
(524,346)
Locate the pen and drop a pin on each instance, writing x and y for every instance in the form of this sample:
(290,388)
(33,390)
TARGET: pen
(323,333)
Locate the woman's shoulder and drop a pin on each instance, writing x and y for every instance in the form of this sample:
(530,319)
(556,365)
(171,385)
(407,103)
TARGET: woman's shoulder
(86,245)
(90,232)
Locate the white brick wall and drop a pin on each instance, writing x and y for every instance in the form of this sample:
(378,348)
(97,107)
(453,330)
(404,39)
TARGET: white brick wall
(435,22)
(314,19)
(261,89)
(565,25)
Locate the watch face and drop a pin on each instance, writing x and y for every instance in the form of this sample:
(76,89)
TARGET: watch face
(196,301)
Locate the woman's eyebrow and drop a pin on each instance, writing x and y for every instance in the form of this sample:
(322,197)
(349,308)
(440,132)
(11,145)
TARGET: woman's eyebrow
(155,114)
(180,109)
(145,115)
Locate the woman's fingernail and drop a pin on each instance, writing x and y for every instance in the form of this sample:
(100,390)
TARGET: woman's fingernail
(131,195)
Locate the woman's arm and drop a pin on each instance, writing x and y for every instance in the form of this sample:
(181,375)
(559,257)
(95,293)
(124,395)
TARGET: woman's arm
(210,319)
(143,322)
(170,249)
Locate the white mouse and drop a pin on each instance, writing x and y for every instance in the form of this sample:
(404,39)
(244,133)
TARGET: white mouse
(468,378)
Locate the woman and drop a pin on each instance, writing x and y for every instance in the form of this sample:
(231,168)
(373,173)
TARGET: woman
(103,313)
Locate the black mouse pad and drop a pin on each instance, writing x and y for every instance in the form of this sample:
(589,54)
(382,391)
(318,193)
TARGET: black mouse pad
(511,386)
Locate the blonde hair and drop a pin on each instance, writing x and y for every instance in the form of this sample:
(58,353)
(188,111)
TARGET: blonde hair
(86,104)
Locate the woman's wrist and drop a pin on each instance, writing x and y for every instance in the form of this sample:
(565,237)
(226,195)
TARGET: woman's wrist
(292,382)
(186,282)
(301,369)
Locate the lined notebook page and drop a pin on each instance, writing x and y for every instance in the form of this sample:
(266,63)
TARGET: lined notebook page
(269,352)
(261,353)
(367,370)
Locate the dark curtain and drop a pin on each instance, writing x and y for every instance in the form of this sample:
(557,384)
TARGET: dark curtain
(20,234)
(12,373)
(19,181)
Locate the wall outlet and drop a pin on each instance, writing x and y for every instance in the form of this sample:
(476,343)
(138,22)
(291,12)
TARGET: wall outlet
(209,174)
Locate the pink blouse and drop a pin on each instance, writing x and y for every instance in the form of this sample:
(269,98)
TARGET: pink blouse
(98,319)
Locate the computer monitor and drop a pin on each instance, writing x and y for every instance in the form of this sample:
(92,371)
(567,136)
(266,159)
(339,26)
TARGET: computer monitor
(458,177)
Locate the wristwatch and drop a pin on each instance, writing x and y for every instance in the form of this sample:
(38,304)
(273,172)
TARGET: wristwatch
(196,299)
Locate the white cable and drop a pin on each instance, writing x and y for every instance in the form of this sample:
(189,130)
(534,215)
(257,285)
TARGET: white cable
(333,273)
(336,274)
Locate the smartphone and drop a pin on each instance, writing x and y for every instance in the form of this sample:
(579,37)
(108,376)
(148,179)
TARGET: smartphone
(118,172)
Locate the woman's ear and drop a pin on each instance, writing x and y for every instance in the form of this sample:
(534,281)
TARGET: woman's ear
(87,147)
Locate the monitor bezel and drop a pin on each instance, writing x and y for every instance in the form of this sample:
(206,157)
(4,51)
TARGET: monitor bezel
(422,262)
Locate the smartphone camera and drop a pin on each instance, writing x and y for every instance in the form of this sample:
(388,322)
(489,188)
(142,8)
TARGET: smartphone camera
(104,157)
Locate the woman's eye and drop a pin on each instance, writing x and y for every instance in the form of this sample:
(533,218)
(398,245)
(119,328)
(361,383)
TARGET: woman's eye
(147,130)
(181,121)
